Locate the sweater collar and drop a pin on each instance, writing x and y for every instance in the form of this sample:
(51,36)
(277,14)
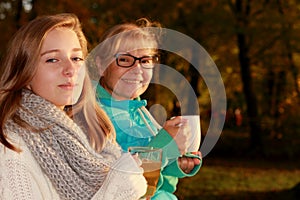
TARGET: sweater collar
(105,98)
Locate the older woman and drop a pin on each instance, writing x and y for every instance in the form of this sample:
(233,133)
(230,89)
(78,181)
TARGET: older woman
(125,59)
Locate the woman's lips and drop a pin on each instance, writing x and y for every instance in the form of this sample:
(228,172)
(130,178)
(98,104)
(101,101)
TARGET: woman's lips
(67,86)
(132,81)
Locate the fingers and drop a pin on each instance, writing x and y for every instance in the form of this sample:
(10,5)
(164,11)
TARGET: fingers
(176,121)
(179,130)
(190,165)
(137,159)
(173,125)
(198,153)
(196,161)
(182,164)
(186,164)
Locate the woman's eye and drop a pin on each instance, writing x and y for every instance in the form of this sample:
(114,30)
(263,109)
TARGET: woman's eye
(77,59)
(123,60)
(51,60)
(147,61)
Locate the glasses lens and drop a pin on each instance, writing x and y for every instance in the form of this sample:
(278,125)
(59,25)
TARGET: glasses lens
(125,60)
(149,61)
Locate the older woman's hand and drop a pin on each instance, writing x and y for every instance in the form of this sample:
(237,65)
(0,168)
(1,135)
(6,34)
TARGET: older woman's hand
(187,164)
(179,129)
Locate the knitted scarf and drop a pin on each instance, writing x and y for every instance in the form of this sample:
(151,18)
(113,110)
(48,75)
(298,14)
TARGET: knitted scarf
(62,149)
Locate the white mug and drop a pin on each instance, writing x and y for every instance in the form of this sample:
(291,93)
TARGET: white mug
(195,137)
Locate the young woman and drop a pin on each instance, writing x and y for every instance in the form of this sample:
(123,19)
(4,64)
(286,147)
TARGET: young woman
(125,59)
(56,142)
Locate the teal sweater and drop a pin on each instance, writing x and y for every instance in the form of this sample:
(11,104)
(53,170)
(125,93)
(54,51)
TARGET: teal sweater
(134,128)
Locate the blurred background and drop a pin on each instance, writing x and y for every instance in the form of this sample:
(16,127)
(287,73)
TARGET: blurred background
(256,47)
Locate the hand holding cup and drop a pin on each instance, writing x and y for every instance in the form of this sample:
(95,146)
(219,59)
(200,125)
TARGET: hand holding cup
(151,159)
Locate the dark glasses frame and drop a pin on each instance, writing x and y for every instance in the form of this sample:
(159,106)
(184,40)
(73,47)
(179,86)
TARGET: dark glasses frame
(155,59)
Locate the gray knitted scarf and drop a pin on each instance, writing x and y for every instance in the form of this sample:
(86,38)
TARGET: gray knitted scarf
(62,149)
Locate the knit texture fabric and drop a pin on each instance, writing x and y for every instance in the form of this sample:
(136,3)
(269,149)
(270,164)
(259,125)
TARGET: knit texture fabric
(61,149)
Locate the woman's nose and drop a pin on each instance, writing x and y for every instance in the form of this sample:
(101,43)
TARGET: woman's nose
(69,68)
(137,68)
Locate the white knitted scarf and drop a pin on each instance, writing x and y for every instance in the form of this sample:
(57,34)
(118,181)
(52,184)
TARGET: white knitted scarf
(62,149)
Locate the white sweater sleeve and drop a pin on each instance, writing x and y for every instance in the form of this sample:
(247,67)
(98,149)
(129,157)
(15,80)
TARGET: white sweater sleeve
(124,182)
(21,178)
(16,182)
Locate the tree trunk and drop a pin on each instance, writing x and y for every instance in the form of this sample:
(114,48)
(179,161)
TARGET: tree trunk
(19,13)
(33,12)
(244,60)
(251,101)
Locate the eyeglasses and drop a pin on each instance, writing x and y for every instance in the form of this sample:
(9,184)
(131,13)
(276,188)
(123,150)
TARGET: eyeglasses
(127,60)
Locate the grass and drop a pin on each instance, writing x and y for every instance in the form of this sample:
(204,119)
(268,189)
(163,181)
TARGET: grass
(228,173)
(241,179)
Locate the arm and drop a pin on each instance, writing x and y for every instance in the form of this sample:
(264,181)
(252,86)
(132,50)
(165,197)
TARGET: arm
(173,166)
(186,166)
(16,182)
(125,181)
(165,141)
(22,179)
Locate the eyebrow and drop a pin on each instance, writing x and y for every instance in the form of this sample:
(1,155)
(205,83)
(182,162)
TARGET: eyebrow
(57,50)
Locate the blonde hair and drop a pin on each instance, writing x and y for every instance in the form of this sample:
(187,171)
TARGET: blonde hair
(19,66)
(123,38)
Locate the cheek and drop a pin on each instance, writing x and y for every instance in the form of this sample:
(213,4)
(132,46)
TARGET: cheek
(42,81)
(112,75)
(81,74)
(148,75)
(80,82)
